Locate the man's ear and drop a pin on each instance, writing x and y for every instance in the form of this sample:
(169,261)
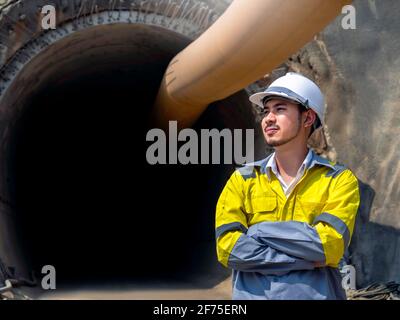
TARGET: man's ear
(310,118)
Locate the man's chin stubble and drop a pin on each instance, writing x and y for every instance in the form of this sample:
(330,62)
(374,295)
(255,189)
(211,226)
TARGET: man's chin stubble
(280,142)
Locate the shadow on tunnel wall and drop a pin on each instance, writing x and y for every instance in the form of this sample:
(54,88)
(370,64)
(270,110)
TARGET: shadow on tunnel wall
(374,248)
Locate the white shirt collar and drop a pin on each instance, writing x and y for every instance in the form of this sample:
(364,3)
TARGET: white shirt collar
(272,163)
(287,188)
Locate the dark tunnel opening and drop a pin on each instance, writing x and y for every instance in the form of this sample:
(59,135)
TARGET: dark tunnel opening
(86,200)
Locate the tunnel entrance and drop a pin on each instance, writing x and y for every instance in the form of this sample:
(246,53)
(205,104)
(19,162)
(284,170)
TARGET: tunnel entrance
(84,198)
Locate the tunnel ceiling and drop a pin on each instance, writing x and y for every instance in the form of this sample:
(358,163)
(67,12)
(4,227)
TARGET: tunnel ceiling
(119,48)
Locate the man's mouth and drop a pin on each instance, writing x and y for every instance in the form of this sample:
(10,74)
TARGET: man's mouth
(271,130)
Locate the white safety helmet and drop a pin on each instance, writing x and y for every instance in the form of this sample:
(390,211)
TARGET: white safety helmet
(295,87)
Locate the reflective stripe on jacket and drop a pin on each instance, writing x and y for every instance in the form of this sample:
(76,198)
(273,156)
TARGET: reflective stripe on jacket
(271,242)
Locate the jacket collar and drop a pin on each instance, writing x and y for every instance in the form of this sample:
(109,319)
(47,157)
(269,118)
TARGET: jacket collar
(311,160)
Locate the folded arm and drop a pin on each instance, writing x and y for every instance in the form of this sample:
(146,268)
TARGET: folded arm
(247,254)
(237,248)
(324,241)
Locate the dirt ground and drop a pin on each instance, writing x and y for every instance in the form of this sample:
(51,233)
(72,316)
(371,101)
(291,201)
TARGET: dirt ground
(174,291)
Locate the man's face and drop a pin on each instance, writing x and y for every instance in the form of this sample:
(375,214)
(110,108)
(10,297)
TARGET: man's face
(282,121)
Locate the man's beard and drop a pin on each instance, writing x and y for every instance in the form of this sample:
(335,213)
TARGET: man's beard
(282,142)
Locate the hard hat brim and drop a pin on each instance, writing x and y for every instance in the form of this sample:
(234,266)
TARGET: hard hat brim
(258,98)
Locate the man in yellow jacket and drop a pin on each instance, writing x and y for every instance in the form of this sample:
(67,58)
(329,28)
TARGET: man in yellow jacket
(284,223)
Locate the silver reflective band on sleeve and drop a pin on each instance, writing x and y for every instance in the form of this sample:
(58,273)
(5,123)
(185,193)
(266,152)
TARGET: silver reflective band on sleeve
(230,227)
(335,222)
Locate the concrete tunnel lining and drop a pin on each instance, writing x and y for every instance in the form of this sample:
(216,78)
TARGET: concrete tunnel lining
(74,168)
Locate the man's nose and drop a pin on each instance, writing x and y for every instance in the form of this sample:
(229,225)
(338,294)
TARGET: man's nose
(270,118)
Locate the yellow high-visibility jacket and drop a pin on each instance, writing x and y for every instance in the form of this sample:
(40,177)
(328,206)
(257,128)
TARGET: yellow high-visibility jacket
(272,242)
